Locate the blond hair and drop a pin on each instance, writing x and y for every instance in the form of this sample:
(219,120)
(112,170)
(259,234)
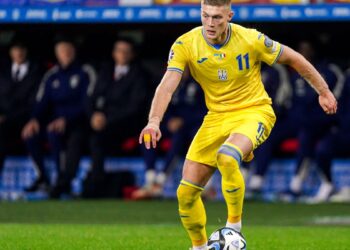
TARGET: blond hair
(217,2)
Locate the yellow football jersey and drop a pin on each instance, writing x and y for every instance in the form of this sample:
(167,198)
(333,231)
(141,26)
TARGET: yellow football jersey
(229,74)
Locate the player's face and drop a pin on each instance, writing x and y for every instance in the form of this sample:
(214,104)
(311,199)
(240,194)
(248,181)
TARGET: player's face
(65,53)
(215,20)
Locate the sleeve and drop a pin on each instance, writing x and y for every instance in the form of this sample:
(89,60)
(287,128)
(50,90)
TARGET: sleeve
(42,99)
(178,56)
(267,49)
(96,98)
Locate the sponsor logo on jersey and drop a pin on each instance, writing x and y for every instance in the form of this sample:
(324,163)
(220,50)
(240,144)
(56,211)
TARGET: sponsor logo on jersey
(203,59)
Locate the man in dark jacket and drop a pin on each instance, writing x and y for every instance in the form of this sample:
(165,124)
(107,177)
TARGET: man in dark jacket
(117,106)
(60,115)
(18,84)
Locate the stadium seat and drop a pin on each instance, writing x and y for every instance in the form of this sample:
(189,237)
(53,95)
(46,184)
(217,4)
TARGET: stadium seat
(289,146)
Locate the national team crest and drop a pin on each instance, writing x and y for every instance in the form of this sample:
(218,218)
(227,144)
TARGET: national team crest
(222,74)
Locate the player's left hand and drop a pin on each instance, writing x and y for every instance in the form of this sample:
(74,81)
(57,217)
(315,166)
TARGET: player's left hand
(328,102)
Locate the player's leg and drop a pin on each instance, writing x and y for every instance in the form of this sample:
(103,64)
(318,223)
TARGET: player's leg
(245,131)
(229,159)
(191,209)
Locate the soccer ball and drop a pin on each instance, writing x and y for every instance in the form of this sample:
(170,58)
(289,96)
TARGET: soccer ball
(226,239)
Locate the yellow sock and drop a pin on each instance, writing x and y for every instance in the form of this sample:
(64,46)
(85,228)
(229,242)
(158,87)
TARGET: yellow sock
(192,212)
(229,159)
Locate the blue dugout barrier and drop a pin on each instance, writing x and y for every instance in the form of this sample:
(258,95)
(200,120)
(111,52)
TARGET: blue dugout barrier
(19,173)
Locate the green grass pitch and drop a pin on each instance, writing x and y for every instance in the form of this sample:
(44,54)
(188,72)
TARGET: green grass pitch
(155,225)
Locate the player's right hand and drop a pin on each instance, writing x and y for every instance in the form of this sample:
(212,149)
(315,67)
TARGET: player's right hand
(150,135)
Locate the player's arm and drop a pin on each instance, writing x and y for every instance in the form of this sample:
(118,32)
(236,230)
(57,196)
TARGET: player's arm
(312,76)
(160,102)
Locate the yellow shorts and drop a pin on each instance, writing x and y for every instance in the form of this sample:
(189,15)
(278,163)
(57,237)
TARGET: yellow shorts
(254,122)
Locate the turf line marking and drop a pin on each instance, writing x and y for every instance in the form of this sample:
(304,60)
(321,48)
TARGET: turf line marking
(332,220)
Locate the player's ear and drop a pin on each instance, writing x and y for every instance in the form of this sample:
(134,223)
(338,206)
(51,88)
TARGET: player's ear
(230,16)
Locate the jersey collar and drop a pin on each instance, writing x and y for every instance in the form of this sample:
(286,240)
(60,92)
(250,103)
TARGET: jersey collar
(218,46)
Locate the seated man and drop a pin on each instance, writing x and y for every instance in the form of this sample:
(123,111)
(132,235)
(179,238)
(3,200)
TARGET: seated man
(184,117)
(116,108)
(18,83)
(59,114)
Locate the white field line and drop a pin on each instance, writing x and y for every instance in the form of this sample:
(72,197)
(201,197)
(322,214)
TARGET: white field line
(332,220)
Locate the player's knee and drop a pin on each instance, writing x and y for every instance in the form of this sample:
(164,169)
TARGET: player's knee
(228,160)
(228,157)
(187,195)
(225,161)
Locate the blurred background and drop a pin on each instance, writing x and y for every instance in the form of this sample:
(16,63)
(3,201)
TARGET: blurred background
(77,78)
